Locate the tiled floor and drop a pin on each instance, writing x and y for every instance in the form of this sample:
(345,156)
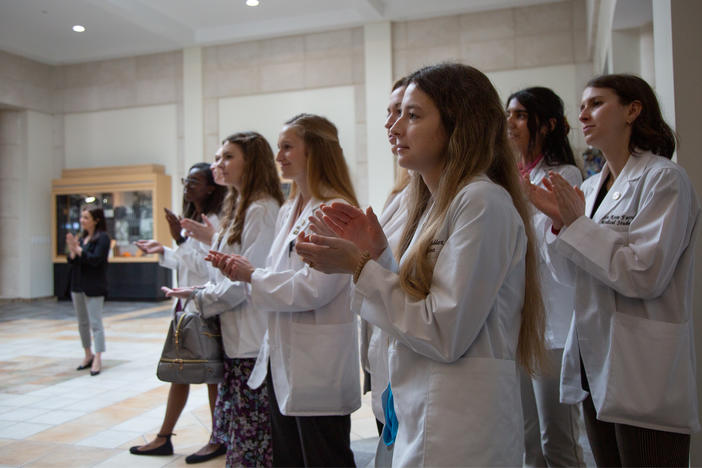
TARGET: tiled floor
(54,416)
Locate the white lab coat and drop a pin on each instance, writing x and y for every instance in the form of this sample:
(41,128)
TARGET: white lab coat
(558,297)
(188,259)
(312,334)
(243,327)
(632,266)
(374,341)
(452,355)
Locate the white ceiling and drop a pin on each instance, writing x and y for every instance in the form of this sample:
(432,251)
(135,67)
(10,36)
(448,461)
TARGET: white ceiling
(41,29)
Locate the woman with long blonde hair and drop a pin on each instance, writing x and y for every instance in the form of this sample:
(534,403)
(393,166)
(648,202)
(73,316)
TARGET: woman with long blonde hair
(463,306)
(309,358)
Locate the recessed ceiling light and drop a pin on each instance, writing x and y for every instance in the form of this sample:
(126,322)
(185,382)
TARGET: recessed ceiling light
(252,2)
(79,28)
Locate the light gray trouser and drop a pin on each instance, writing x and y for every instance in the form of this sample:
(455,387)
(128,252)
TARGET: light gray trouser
(89,312)
(550,427)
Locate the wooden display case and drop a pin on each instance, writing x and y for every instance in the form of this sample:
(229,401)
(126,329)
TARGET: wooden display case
(133,199)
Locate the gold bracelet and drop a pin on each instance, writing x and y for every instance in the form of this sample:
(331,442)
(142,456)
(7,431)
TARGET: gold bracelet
(365,256)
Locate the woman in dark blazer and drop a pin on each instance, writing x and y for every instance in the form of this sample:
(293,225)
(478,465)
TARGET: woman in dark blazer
(88,258)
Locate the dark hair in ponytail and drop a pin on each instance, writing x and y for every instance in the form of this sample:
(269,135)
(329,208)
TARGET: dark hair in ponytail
(543,106)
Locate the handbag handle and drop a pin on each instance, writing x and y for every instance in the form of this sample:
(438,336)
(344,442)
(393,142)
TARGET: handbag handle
(174,319)
(187,301)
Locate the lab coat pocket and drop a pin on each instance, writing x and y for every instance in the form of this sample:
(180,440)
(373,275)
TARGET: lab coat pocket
(474,408)
(650,378)
(321,371)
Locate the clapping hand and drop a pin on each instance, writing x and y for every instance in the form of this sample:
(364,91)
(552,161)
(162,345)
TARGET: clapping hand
(234,267)
(174,227)
(328,254)
(180,293)
(318,226)
(73,245)
(201,231)
(352,224)
(543,199)
(149,246)
(570,199)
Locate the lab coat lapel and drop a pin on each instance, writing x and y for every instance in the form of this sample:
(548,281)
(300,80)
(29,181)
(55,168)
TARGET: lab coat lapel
(622,188)
(293,226)
(281,243)
(299,224)
(538,173)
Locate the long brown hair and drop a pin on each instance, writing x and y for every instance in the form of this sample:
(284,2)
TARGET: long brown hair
(473,118)
(327,172)
(259,180)
(649,132)
(402,177)
(98,216)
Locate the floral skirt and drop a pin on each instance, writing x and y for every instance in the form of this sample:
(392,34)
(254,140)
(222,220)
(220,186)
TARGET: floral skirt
(241,417)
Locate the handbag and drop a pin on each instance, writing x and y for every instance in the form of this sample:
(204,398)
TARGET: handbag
(192,353)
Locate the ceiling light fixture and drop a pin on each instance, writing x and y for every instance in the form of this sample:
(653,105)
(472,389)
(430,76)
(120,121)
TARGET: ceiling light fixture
(252,3)
(79,28)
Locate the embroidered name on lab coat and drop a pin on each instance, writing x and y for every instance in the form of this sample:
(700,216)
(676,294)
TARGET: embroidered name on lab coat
(617,220)
(436,245)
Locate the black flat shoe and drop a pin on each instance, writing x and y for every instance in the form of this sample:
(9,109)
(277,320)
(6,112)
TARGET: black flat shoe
(165,449)
(93,373)
(195,458)
(86,366)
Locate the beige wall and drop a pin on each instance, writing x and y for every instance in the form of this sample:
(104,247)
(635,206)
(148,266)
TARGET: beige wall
(132,82)
(508,39)
(26,164)
(302,62)
(12,173)
(25,83)
(119,83)
(36,272)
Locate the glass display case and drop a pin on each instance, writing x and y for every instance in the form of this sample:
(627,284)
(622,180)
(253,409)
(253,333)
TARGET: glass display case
(129,197)
(128,215)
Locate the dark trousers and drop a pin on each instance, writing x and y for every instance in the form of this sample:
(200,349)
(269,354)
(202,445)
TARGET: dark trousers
(623,445)
(309,440)
(366,389)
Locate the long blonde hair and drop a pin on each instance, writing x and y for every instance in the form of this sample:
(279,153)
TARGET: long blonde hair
(327,173)
(259,179)
(472,115)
